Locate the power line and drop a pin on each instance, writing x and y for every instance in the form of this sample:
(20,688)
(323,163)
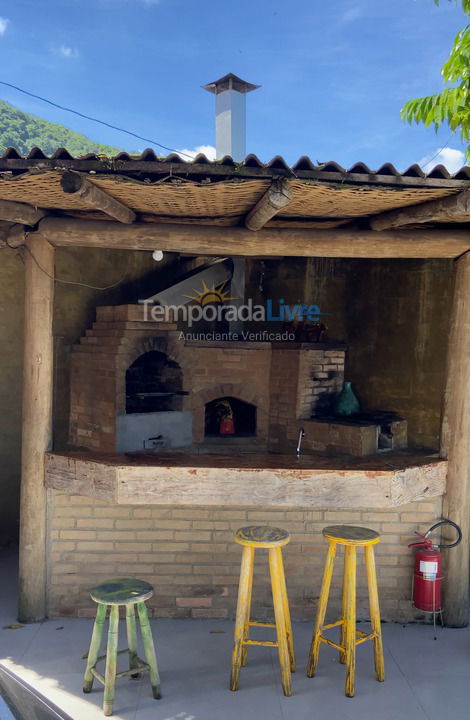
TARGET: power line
(93,119)
(439,151)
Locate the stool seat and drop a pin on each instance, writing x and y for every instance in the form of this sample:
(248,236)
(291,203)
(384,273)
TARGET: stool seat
(351,535)
(262,536)
(121,591)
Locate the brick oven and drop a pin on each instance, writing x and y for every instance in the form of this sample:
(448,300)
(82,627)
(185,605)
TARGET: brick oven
(138,385)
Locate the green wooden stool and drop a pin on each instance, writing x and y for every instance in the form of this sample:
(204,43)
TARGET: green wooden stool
(129,593)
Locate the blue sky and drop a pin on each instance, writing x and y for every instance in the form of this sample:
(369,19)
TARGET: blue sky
(334,73)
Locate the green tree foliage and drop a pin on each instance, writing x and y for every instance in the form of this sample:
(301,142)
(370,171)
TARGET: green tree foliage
(24,131)
(452,105)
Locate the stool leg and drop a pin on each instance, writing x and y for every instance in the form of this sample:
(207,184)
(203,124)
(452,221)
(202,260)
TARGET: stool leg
(248,614)
(276,571)
(149,649)
(95,644)
(244,593)
(290,637)
(375,613)
(342,654)
(321,610)
(350,619)
(131,638)
(111,660)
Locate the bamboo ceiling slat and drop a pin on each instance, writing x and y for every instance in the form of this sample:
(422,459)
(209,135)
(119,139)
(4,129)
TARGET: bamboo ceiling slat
(41,190)
(224,203)
(324,200)
(188,198)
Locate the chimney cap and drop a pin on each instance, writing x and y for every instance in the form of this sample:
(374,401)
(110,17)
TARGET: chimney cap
(230,82)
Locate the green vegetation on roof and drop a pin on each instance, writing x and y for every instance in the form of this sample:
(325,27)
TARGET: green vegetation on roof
(24,131)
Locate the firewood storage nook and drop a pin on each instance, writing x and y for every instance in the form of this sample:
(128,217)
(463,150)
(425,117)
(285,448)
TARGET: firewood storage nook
(165,443)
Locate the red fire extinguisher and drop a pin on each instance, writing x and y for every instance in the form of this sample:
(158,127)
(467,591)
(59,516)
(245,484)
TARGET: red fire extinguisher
(427,573)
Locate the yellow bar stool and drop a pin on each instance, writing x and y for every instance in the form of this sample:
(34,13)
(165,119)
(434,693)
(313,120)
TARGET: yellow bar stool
(351,537)
(273,539)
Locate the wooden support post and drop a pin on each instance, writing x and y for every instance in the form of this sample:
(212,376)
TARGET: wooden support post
(37,426)
(455,445)
(278,196)
(95,198)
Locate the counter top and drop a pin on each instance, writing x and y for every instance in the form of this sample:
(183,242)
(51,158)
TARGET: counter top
(249,479)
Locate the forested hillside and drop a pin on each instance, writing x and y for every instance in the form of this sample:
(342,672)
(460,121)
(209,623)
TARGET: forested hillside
(23,131)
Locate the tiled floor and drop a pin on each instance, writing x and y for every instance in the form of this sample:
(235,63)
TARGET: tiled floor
(425,679)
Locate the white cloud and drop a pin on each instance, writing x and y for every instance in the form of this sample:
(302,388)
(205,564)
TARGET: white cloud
(3,25)
(207,150)
(451,158)
(350,15)
(67,52)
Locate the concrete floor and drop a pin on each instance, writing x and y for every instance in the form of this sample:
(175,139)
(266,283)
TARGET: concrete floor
(425,679)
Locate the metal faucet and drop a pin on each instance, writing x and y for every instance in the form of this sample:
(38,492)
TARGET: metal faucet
(299,441)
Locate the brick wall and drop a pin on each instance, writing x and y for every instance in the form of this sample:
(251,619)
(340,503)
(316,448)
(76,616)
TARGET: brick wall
(300,382)
(191,559)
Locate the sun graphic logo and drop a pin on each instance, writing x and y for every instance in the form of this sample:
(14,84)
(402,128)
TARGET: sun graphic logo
(210,295)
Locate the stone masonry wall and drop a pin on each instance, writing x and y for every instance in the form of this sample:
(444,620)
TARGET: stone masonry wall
(189,555)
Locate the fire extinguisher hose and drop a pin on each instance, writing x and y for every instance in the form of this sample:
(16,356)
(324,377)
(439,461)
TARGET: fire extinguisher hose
(452,524)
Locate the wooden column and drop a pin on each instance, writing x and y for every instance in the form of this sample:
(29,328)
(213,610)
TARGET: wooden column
(456,447)
(37,426)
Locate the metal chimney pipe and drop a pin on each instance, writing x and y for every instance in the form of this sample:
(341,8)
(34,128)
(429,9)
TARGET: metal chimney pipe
(230,115)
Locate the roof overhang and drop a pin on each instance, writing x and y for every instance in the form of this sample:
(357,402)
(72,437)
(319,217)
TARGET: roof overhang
(260,197)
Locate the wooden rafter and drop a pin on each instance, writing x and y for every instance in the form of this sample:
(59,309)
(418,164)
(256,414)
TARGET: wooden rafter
(445,209)
(17,212)
(207,240)
(274,199)
(95,198)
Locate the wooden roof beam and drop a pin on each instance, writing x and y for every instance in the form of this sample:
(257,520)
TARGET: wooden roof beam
(274,199)
(445,209)
(271,242)
(22,213)
(95,198)
(16,236)
(12,235)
